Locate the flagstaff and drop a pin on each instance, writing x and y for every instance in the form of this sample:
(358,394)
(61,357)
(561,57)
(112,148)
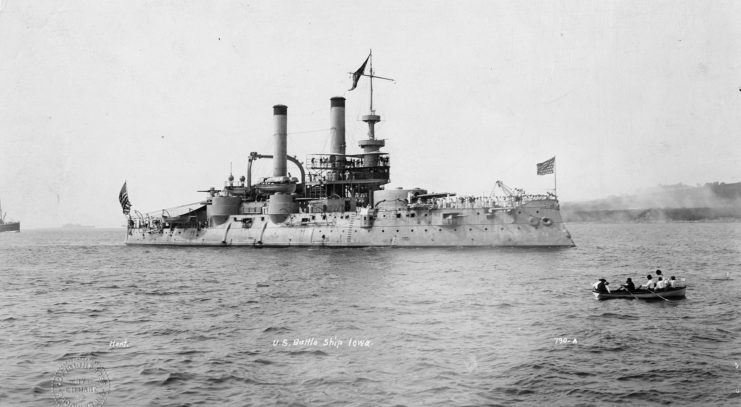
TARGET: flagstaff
(548,167)
(555,188)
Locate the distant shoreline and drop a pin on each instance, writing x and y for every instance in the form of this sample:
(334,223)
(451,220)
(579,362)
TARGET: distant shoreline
(652,215)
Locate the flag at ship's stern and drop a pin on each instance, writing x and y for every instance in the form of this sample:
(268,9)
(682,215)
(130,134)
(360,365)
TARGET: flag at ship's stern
(123,198)
(546,167)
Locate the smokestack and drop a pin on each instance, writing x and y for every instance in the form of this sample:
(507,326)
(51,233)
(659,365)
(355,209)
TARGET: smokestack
(337,125)
(280,119)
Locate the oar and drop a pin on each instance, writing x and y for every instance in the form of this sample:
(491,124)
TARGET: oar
(629,292)
(660,296)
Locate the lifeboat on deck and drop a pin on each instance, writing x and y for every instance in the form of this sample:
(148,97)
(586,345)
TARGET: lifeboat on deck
(277,184)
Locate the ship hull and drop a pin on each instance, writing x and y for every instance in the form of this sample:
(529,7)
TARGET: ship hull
(531,226)
(10,227)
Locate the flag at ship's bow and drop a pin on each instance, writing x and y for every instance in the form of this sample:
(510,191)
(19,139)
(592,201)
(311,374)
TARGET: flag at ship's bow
(546,167)
(123,198)
(356,76)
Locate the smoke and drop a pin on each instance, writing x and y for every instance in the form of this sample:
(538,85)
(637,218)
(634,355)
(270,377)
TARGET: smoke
(662,203)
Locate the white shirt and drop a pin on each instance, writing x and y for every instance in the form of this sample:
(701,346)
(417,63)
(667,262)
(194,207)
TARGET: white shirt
(649,284)
(607,287)
(661,284)
(679,284)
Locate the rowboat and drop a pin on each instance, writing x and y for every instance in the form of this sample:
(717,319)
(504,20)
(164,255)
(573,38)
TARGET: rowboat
(642,294)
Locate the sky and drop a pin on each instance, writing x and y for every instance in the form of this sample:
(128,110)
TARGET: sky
(169,95)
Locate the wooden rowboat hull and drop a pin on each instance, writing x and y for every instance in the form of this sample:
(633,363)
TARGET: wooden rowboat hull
(642,295)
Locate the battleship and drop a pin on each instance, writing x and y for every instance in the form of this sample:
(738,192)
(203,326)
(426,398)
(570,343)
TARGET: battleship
(8,226)
(339,199)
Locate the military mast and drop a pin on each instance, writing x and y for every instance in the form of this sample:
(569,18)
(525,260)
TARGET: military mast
(373,158)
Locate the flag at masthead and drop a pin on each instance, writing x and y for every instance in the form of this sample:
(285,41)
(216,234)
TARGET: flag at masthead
(356,76)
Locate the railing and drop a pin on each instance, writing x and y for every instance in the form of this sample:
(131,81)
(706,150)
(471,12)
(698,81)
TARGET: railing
(329,162)
(474,202)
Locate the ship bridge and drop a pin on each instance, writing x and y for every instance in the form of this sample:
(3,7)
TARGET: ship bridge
(346,175)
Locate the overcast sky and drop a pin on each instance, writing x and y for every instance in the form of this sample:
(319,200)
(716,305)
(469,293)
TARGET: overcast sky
(626,95)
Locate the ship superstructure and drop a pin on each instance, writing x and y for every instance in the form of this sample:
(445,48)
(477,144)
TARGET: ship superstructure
(339,200)
(7,225)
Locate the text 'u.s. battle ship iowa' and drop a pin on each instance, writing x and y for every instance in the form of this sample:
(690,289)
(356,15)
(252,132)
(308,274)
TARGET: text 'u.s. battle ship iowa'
(340,201)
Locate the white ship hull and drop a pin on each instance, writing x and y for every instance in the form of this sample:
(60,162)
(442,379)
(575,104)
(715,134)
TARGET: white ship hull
(536,224)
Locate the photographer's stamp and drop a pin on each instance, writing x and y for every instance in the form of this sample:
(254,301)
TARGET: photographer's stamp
(80,382)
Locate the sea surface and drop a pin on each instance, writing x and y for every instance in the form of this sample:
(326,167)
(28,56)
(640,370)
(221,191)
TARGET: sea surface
(370,327)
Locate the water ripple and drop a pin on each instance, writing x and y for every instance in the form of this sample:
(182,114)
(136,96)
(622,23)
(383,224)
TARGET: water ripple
(443,326)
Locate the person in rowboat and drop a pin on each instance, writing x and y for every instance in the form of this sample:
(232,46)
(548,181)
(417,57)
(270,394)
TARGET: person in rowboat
(649,285)
(628,285)
(601,286)
(661,284)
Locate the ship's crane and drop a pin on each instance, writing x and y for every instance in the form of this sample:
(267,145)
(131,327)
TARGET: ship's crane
(515,194)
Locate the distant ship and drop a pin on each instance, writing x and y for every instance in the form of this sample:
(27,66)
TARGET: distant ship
(339,200)
(8,226)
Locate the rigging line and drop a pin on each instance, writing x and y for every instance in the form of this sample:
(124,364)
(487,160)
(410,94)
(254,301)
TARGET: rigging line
(307,131)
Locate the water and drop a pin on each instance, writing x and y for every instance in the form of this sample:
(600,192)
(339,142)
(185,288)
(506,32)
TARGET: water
(437,327)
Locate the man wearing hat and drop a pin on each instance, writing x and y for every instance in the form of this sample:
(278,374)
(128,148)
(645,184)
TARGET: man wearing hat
(601,286)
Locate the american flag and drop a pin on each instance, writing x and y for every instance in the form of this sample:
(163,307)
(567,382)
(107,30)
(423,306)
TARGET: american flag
(546,167)
(123,198)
